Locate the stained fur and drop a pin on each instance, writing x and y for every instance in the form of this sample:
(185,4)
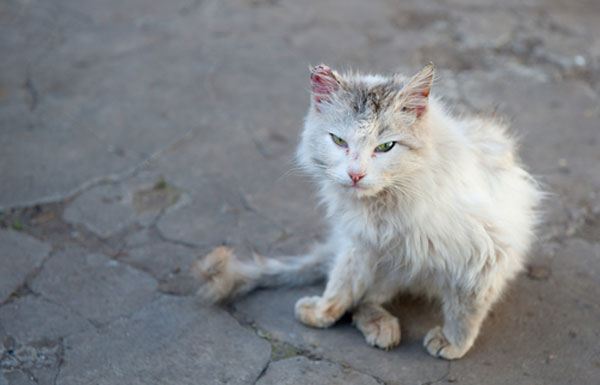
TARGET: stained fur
(448,212)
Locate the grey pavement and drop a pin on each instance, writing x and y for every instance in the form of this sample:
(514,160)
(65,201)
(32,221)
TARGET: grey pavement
(135,136)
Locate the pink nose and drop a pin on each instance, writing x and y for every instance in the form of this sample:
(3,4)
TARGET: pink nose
(356,176)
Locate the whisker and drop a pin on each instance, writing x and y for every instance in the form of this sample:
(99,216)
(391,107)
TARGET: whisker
(302,170)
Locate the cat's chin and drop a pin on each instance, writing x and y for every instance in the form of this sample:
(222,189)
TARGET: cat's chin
(359,191)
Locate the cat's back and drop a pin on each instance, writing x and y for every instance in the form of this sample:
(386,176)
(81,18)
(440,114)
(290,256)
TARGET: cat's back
(494,185)
(489,141)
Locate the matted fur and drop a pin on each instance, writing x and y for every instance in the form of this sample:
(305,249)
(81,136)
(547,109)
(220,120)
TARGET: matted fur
(448,212)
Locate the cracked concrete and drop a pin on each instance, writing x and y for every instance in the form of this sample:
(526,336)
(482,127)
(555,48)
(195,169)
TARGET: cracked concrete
(301,370)
(110,208)
(166,341)
(95,287)
(33,318)
(345,344)
(37,362)
(136,137)
(21,256)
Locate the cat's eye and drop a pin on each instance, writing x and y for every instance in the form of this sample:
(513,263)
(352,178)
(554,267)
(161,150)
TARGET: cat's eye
(385,147)
(339,141)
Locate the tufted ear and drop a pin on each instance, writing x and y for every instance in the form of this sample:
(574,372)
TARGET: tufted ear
(323,83)
(414,96)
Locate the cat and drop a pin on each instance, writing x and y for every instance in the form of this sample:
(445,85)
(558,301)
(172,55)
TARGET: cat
(417,200)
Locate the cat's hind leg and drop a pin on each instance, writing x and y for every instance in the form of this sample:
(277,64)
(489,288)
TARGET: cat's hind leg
(379,326)
(225,276)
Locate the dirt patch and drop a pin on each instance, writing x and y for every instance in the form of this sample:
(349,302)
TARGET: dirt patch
(160,196)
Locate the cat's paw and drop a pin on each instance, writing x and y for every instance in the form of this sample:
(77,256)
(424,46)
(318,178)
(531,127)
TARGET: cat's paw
(438,346)
(382,330)
(310,311)
(216,273)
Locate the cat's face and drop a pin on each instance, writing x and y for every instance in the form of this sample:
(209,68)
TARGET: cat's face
(363,133)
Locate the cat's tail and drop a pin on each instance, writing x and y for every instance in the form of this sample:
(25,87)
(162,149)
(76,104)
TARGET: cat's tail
(225,276)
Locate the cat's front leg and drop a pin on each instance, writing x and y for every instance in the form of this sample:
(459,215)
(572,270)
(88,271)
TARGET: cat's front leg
(346,285)
(463,316)
(379,326)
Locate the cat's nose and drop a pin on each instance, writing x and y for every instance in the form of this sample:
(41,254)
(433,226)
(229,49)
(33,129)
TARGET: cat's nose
(356,176)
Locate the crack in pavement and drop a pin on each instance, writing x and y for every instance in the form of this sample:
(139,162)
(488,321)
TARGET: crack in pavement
(26,357)
(60,365)
(105,179)
(262,372)
(32,91)
(441,378)
(247,323)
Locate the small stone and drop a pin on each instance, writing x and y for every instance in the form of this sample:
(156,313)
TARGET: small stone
(538,272)
(451,379)
(579,61)
(550,358)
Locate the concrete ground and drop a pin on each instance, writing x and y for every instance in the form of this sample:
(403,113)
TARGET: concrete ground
(137,135)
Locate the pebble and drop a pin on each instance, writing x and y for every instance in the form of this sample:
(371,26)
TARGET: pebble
(579,61)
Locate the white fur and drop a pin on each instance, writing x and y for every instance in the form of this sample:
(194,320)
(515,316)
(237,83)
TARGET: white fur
(450,214)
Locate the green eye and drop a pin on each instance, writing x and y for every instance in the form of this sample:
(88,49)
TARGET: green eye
(385,147)
(339,141)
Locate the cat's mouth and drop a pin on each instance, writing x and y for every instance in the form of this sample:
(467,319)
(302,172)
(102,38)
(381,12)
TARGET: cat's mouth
(357,189)
(354,186)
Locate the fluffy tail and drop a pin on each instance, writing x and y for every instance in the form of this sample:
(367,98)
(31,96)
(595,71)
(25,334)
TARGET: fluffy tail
(225,276)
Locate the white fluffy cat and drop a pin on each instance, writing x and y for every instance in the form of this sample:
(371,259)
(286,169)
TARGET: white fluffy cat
(417,200)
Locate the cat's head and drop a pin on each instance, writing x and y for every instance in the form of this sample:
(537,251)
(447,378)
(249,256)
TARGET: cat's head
(366,133)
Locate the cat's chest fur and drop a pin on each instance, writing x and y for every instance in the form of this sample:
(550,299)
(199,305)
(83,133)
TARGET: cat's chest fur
(410,235)
(382,224)
(378,223)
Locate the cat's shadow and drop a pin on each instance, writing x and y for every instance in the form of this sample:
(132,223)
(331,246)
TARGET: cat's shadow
(272,309)
(417,315)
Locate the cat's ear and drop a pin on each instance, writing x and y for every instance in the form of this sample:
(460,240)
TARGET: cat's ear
(324,83)
(414,96)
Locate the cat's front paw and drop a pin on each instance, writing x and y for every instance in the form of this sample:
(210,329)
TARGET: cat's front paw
(310,311)
(382,331)
(438,346)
